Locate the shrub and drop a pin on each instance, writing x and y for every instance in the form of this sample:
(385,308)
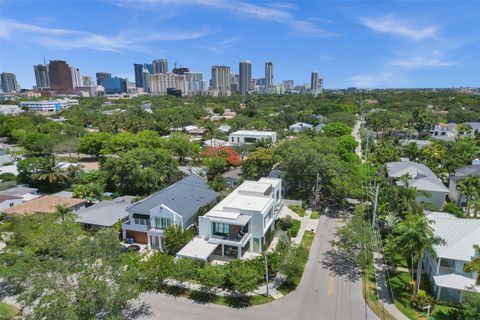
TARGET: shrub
(8,177)
(422,300)
(293,231)
(285,223)
(297,209)
(185,269)
(452,208)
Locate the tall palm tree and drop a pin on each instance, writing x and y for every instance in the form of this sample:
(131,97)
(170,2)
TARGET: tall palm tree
(210,131)
(468,187)
(406,201)
(474,265)
(51,175)
(63,210)
(414,236)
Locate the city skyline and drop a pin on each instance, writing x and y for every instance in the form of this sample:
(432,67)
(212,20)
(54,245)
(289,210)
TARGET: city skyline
(389,44)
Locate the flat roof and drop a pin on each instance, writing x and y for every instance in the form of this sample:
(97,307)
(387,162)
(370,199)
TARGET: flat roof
(198,248)
(253,133)
(248,203)
(253,186)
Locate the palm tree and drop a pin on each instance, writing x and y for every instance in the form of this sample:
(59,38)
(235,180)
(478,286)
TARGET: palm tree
(474,265)
(63,210)
(414,235)
(406,201)
(210,131)
(468,187)
(51,174)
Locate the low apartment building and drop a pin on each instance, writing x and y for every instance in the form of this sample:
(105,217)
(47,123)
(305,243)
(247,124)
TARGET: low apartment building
(174,205)
(49,106)
(445,269)
(242,222)
(251,136)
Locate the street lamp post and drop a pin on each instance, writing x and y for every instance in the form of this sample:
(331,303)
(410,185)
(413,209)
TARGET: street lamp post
(266,273)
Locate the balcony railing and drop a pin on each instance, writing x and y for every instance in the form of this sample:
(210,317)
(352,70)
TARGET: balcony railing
(235,241)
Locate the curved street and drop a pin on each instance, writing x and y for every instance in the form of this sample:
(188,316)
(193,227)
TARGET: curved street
(330,289)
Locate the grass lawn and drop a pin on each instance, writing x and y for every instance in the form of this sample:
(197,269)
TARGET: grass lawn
(297,209)
(203,297)
(370,294)
(7,311)
(293,231)
(315,215)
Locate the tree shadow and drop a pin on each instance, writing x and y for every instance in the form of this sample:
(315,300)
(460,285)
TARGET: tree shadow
(175,291)
(135,311)
(202,297)
(236,301)
(338,262)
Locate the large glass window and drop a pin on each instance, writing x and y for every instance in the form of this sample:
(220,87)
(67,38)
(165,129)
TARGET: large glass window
(141,221)
(162,222)
(220,229)
(249,140)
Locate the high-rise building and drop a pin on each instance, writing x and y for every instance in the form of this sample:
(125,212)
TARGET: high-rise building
(8,82)
(221,80)
(115,85)
(194,82)
(268,74)
(60,75)
(76,77)
(41,75)
(245,80)
(180,70)
(101,76)
(138,70)
(316,84)
(87,81)
(160,82)
(145,80)
(160,66)
(288,84)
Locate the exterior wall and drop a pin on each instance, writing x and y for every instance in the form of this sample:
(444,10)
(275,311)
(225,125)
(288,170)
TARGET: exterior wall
(165,212)
(235,138)
(140,237)
(453,193)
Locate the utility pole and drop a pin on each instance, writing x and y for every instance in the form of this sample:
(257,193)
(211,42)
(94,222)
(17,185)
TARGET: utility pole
(266,273)
(317,191)
(375,203)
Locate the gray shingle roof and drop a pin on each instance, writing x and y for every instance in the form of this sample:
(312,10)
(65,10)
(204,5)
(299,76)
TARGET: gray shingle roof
(18,191)
(105,213)
(184,197)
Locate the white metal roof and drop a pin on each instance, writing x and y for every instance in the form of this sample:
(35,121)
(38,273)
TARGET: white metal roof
(253,133)
(198,248)
(459,235)
(455,281)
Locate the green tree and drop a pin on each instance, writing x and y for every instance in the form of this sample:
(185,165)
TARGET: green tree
(40,143)
(50,176)
(470,305)
(243,277)
(211,276)
(155,270)
(215,166)
(474,265)
(93,143)
(182,147)
(91,192)
(185,269)
(336,129)
(258,164)
(63,211)
(175,238)
(414,236)
(468,187)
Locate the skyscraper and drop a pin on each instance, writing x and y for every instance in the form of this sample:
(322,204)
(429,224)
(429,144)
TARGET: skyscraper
(76,77)
(101,76)
(8,82)
(245,81)
(138,69)
(41,76)
(87,81)
(316,84)
(159,83)
(268,74)
(194,82)
(180,70)
(160,66)
(221,79)
(60,75)
(115,85)
(288,84)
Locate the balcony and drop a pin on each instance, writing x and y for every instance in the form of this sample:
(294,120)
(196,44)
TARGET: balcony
(236,240)
(130,225)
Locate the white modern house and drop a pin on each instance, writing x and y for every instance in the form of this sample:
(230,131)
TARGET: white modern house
(461,173)
(49,105)
(300,127)
(446,268)
(432,190)
(251,136)
(449,131)
(242,222)
(174,205)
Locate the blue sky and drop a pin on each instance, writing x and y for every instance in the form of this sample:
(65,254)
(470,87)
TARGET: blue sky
(351,43)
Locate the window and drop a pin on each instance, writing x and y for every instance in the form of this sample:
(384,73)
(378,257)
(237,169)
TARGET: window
(220,229)
(162,223)
(141,221)
(267,218)
(11,204)
(250,140)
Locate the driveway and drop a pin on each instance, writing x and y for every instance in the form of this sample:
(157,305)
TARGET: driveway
(330,289)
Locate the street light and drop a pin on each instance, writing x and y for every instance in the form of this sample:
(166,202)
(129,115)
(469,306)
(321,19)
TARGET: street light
(266,272)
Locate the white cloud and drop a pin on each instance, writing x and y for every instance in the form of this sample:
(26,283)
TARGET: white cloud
(279,12)
(379,80)
(400,27)
(435,59)
(74,39)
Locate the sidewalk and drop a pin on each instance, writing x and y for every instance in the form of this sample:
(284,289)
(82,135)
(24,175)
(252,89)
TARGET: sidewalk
(383,290)
(304,221)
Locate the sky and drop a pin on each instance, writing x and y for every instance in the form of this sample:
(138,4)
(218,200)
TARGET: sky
(363,44)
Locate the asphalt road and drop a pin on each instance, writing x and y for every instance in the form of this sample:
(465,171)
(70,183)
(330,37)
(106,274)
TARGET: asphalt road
(330,289)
